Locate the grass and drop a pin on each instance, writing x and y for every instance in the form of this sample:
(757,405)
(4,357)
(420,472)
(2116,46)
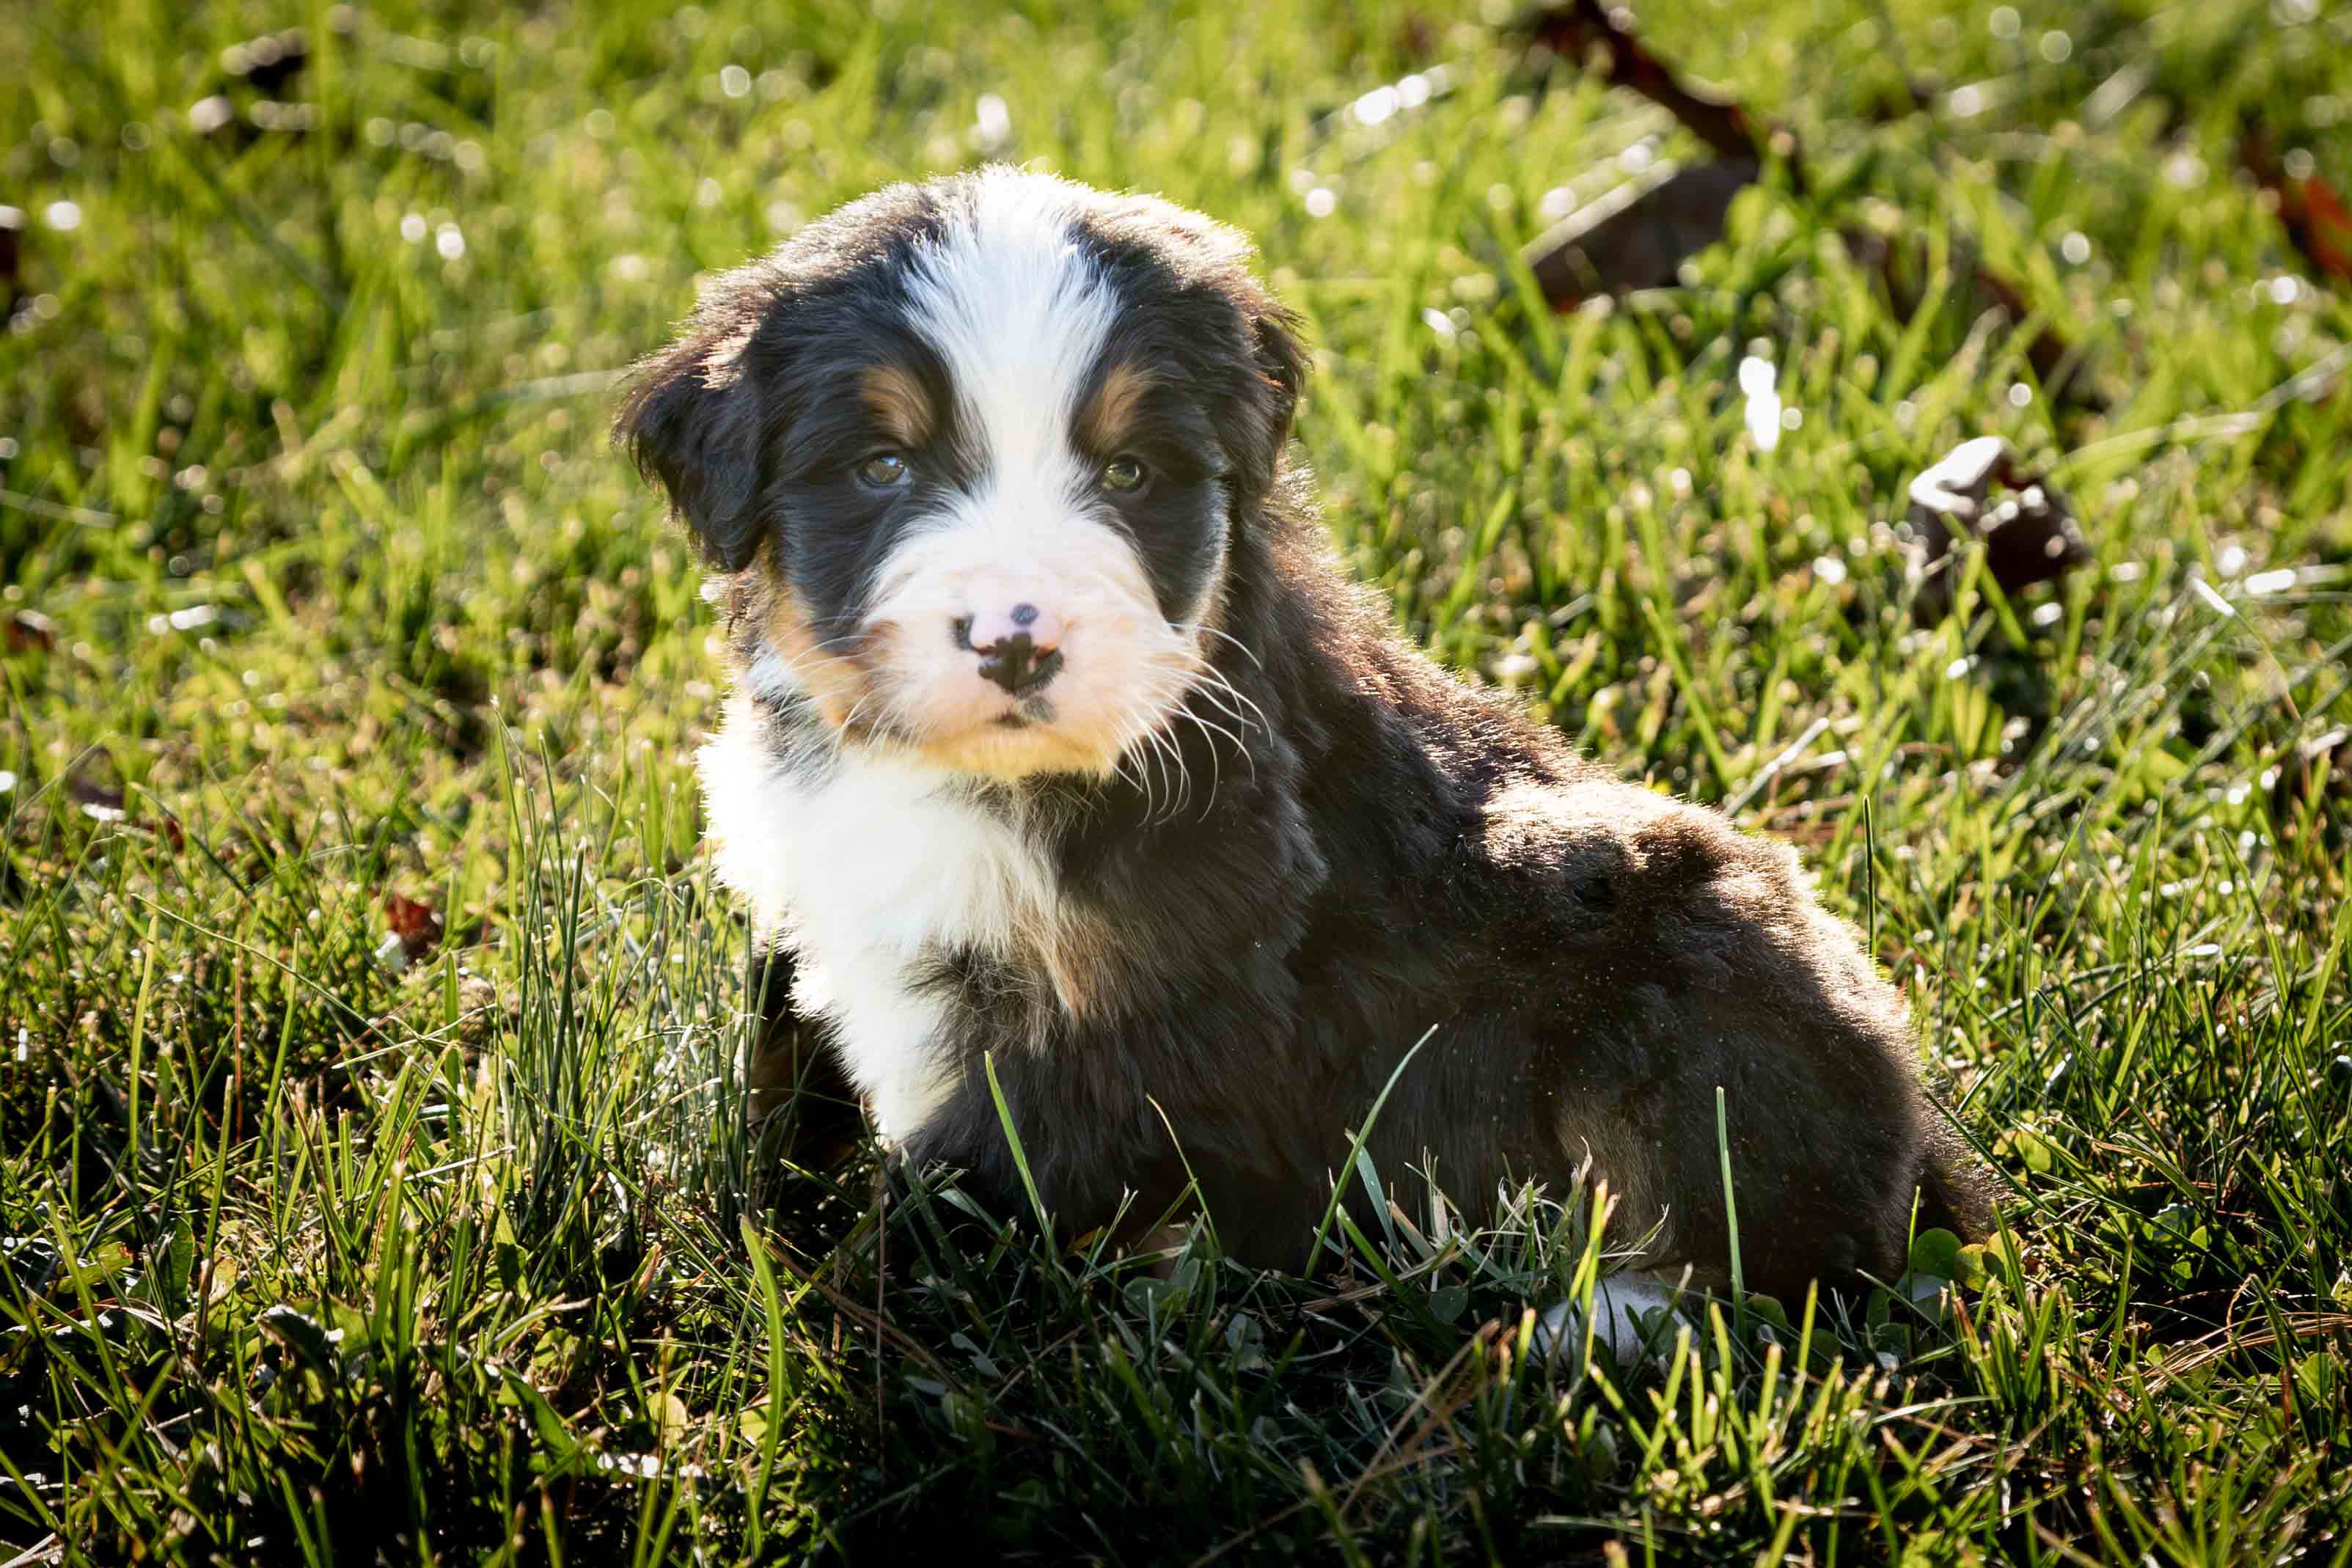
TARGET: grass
(330,618)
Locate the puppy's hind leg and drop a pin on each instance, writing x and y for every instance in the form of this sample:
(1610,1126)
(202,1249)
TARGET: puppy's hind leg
(1956,1192)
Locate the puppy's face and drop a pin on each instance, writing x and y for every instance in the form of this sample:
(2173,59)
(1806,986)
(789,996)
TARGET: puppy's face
(977,451)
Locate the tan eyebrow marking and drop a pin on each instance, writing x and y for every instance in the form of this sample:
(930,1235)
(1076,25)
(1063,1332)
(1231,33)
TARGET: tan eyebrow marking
(899,401)
(1110,413)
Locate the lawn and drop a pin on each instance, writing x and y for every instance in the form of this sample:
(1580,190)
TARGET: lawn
(372,1165)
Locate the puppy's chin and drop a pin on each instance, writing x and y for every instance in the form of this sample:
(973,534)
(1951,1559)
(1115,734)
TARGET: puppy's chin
(959,724)
(1010,752)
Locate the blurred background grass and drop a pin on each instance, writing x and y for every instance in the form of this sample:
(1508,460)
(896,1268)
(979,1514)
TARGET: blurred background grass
(366,1143)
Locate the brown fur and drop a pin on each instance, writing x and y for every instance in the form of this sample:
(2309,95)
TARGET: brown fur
(1110,414)
(901,407)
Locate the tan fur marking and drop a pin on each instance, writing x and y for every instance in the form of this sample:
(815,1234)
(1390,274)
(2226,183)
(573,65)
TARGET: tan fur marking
(835,684)
(1109,414)
(899,401)
(1077,953)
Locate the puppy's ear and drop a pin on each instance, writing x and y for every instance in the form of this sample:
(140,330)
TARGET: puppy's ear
(694,418)
(1282,358)
(1278,370)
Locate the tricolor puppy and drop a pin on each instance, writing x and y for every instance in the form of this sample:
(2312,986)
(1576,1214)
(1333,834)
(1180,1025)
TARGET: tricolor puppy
(1056,737)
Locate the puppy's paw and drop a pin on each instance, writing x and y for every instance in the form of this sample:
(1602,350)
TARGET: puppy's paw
(1635,1317)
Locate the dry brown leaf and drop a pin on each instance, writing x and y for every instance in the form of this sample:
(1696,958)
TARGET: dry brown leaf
(2030,536)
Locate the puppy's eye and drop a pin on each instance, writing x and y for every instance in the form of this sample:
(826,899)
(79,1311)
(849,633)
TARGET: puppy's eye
(883,470)
(1123,473)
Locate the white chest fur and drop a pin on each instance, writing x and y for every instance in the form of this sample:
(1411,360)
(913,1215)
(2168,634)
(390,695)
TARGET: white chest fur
(866,870)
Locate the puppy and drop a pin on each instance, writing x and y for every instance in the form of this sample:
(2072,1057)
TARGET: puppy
(1059,744)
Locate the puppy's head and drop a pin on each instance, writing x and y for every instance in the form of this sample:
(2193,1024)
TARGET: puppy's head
(977,451)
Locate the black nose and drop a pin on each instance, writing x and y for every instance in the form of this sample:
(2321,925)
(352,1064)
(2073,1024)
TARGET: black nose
(1014,663)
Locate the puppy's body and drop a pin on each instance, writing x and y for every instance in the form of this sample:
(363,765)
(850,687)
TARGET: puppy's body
(1191,845)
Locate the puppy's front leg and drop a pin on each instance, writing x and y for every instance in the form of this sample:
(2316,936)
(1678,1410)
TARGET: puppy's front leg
(797,1097)
(1093,1163)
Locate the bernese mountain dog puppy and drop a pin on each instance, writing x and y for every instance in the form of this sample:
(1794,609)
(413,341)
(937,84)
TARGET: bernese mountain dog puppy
(1059,742)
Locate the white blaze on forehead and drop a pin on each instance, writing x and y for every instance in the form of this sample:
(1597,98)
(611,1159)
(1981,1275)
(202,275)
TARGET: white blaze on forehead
(1019,313)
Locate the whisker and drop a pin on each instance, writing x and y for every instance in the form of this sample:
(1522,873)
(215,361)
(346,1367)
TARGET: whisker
(1216,765)
(1164,747)
(845,731)
(1180,786)
(1209,728)
(1242,721)
(1215,682)
(1246,650)
(793,665)
(1134,725)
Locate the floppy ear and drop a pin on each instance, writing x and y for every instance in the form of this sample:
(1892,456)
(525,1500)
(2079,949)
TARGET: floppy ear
(694,420)
(1282,358)
(1278,366)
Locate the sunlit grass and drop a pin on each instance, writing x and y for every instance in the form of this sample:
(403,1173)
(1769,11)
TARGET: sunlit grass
(321,588)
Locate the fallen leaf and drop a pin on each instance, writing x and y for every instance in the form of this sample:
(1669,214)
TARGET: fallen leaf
(415,928)
(1587,36)
(30,629)
(12,221)
(2030,536)
(263,64)
(1646,237)
(269,62)
(108,804)
(1637,238)
(208,116)
(100,803)
(2316,218)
